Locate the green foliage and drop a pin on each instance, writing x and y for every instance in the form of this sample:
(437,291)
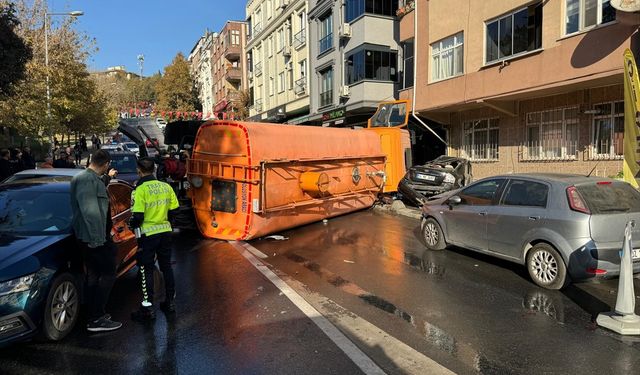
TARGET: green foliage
(14,52)
(176,90)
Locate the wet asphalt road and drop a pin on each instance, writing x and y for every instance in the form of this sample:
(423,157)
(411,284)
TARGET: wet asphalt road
(468,312)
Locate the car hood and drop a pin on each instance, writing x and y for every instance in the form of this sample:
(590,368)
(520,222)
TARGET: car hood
(441,198)
(14,249)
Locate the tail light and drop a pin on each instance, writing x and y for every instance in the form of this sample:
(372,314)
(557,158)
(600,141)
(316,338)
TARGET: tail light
(575,200)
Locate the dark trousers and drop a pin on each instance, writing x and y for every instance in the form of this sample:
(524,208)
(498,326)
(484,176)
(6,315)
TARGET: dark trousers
(157,245)
(100,263)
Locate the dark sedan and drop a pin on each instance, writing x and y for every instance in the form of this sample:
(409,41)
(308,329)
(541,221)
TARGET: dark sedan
(41,272)
(440,175)
(125,162)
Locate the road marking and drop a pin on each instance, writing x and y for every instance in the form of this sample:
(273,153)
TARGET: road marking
(358,357)
(251,249)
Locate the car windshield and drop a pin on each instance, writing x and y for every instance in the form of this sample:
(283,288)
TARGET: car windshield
(124,163)
(33,213)
(608,198)
(131,145)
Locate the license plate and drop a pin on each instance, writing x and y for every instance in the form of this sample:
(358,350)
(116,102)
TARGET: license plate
(425,177)
(635,254)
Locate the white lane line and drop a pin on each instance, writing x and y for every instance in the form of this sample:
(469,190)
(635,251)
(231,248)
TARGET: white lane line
(347,346)
(251,249)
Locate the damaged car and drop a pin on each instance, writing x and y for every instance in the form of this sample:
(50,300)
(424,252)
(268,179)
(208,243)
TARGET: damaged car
(438,176)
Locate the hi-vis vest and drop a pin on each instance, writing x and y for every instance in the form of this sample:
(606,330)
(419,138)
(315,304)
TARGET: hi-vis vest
(154,199)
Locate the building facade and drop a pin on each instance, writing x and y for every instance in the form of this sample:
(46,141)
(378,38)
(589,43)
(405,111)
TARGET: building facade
(229,68)
(279,60)
(521,86)
(354,54)
(201,72)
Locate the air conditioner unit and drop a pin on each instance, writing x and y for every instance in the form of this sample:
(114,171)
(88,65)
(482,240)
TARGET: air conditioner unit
(346,30)
(345,91)
(288,65)
(286,51)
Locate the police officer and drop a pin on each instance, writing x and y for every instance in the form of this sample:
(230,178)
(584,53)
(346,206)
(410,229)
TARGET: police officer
(152,203)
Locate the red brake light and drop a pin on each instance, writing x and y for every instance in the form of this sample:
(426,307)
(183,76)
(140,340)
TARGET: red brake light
(596,271)
(604,182)
(575,200)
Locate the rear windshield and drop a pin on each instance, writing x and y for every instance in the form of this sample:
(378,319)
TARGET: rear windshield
(124,163)
(610,198)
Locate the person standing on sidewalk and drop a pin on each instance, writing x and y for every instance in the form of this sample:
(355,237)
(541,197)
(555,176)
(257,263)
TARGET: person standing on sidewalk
(152,203)
(92,227)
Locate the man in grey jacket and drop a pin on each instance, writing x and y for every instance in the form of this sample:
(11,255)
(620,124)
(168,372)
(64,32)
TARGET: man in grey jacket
(92,227)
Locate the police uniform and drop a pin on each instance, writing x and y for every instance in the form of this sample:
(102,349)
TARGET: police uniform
(152,200)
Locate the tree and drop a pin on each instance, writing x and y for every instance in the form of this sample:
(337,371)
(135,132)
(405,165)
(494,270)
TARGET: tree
(14,52)
(176,90)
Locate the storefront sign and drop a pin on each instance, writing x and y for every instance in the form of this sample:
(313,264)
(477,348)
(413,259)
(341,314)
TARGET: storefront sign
(337,113)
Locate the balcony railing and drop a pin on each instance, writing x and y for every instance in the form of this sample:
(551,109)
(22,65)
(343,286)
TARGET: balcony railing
(300,39)
(257,105)
(257,69)
(326,98)
(233,96)
(480,152)
(301,86)
(233,74)
(549,150)
(607,150)
(405,7)
(257,28)
(325,43)
(233,53)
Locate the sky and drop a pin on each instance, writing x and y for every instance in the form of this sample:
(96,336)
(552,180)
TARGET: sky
(158,29)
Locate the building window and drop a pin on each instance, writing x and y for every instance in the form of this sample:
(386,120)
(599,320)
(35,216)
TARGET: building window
(280,40)
(583,14)
(269,6)
(290,79)
(281,82)
(235,37)
(374,65)
(480,139)
(326,33)
(407,68)
(303,68)
(272,86)
(356,8)
(608,131)
(270,46)
(514,34)
(326,87)
(447,56)
(552,135)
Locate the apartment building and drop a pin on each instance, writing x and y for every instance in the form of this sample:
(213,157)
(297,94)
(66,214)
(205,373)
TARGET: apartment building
(200,61)
(278,60)
(521,86)
(354,56)
(229,72)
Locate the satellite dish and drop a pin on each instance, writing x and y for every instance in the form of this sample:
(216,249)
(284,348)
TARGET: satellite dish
(626,5)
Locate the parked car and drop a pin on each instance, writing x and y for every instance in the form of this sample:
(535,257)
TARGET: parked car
(161,123)
(112,147)
(132,147)
(41,270)
(440,175)
(562,227)
(126,163)
(149,143)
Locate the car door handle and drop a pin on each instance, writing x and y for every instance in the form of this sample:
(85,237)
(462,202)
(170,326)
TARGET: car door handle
(482,213)
(534,218)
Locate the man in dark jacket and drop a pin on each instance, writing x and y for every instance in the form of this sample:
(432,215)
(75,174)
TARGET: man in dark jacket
(27,159)
(5,165)
(92,227)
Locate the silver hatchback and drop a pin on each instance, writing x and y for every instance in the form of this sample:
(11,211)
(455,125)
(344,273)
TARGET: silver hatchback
(562,227)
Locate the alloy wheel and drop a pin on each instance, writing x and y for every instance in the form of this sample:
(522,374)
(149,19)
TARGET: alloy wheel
(64,306)
(431,234)
(544,266)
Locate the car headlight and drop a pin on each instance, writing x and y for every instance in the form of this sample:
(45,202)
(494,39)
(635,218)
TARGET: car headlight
(449,178)
(20,284)
(197,182)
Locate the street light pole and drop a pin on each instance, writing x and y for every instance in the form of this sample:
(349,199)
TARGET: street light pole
(47,15)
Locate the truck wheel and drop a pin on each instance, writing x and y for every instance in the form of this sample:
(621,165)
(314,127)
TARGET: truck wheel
(62,308)
(546,267)
(432,234)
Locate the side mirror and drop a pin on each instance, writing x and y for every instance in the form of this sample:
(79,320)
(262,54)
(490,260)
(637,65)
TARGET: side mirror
(454,201)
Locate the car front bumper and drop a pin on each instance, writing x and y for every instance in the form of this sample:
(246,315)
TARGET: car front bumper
(15,323)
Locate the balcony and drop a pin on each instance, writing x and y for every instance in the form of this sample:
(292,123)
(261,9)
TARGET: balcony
(257,69)
(300,39)
(233,53)
(257,105)
(549,150)
(234,96)
(300,86)
(405,7)
(326,98)
(257,29)
(325,44)
(233,74)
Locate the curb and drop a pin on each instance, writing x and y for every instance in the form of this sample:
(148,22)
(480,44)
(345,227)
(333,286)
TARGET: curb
(399,208)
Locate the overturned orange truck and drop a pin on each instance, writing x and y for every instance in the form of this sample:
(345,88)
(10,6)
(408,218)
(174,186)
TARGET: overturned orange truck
(252,179)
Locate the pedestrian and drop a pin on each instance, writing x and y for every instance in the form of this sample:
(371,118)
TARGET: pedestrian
(77,151)
(27,159)
(63,161)
(83,143)
(98,143)
(152,203)
(48,163)
(5,165)
(16,161)
(92,227)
